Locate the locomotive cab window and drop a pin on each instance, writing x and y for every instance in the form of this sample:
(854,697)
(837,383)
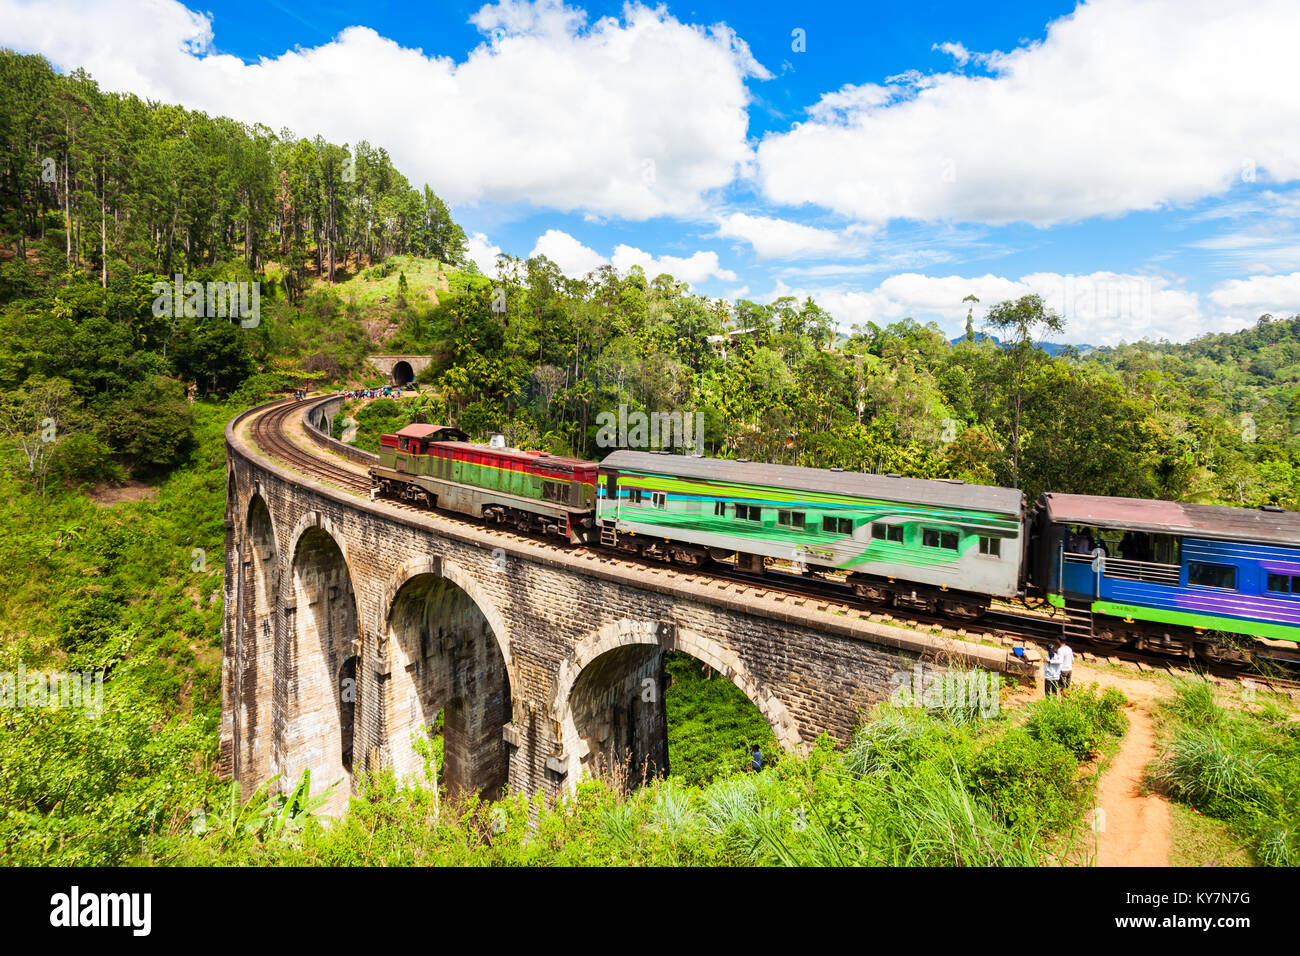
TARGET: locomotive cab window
(749,512)
(887,532)
(939,539)
(991,546)
(790,519)
(1221,576)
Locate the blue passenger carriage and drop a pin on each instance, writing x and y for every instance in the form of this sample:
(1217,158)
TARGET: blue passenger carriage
(1161,575)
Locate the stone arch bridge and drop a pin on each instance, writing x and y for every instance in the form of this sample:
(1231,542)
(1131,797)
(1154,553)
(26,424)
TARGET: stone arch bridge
(351,625)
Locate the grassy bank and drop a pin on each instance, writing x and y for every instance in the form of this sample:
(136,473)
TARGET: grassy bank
(1237,764)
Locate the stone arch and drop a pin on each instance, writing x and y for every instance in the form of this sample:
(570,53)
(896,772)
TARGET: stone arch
(254,651)
(664,636)
(321,630)
(457,575)
(232,494)
(403,374)
(442,653)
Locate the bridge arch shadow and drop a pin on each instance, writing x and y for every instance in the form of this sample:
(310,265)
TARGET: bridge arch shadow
(322,704)
(609,694)
(445,652)
(254,652)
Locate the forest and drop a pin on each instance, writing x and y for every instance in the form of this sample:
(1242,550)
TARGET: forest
(102,195)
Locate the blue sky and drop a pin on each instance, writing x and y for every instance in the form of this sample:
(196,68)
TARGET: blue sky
(1134,161)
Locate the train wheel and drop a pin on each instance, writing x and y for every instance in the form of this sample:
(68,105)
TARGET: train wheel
(1224,654)
(962,610)
(871,594)
(688,557)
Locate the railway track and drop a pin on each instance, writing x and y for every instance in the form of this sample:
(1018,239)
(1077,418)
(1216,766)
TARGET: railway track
(268,432)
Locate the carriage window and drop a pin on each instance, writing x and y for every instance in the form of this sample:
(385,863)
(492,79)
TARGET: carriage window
(837,525)
(939,539)
(1222,576)
(1284,583)
(749,512)
(635,496)
(790,519)
(720,508)
(887,532)
(991,546)
(659,499)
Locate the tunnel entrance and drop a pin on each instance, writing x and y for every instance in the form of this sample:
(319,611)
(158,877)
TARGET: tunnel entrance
(446,663)
(403,373)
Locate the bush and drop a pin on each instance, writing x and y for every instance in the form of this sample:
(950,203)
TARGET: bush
(1027,779)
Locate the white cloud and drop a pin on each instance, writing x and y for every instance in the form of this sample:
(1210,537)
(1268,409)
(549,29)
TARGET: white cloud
(568,253)
(482,253)
(635,116)
(1125,105)
(697,268)
(1252,297)
(783,239)
(961,56)
(576,260)
(1102,308)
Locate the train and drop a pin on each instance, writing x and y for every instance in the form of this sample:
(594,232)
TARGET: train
(1197,581)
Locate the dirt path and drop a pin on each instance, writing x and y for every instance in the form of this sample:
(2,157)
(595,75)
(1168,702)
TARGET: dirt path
(1132,830)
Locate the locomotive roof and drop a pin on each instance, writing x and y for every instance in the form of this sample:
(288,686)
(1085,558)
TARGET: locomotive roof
(541,458)
(1172,517)
(424,432)
(937,493)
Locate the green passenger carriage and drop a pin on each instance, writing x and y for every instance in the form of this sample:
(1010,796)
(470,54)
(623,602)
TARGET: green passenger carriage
(940,546)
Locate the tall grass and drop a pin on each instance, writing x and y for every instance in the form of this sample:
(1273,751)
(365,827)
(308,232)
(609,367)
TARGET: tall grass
(1236,765)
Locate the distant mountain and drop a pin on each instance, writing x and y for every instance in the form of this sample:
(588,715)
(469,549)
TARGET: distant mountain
(1051,348)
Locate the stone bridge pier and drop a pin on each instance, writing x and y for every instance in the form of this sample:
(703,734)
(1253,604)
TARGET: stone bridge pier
(354,629)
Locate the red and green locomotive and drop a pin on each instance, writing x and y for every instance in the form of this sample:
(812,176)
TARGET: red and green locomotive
(435,466)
